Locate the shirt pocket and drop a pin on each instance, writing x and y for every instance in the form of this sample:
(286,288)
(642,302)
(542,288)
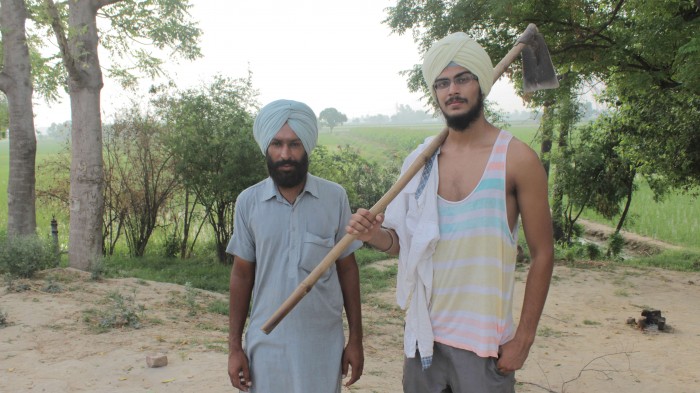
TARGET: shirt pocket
(316,248)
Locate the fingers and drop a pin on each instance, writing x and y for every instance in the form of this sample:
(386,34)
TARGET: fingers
(363,221)
(356,374)
(240,377)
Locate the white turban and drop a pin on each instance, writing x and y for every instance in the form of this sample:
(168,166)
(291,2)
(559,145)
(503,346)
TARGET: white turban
(298,115)
(462,50)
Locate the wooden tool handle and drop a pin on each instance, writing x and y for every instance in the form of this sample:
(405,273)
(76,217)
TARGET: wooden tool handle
(381,205)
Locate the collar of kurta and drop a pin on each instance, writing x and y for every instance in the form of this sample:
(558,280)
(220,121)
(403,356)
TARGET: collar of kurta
(270,189)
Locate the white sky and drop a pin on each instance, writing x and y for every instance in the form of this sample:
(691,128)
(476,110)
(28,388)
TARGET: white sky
(326,53)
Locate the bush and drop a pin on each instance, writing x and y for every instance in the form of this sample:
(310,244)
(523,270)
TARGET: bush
(615,244)
(24,256)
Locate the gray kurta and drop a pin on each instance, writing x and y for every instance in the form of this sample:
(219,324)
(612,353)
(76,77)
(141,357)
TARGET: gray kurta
(285,241)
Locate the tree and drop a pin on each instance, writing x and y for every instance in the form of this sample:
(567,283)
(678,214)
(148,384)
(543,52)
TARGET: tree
(16,83)
(642,51)
(214,149)
(331,117)
(161,23)
(143,171)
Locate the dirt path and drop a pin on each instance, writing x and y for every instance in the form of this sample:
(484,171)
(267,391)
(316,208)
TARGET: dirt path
(583,345)
(633,242)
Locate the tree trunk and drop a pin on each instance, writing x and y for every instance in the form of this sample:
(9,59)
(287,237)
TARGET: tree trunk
(16,82)
(86,177)
(630,192)
(547,135)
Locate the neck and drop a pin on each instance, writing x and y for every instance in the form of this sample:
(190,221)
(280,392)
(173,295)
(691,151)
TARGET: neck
(291,193)
(476,131)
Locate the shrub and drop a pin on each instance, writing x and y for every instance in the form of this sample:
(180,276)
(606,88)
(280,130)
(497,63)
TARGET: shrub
(23,256)
(122,312)
(615,244)
(3,319)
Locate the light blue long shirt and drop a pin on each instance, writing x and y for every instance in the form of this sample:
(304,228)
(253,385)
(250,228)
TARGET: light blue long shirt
(286,242)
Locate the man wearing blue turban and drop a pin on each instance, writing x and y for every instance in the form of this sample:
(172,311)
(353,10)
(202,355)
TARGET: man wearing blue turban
(283,228)
(455,229)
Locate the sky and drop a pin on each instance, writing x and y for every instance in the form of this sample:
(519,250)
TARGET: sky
(326,53)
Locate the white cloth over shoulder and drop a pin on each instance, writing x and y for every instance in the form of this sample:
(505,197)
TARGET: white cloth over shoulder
(413,215)
(298,115)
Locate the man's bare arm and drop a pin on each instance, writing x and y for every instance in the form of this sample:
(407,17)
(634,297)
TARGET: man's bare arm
(353,355)
(530,182)
(241,289)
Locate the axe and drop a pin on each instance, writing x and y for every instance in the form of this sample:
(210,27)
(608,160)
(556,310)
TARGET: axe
(538,74)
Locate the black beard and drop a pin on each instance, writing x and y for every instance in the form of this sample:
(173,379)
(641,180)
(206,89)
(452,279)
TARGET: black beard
(463,121)
(288,179)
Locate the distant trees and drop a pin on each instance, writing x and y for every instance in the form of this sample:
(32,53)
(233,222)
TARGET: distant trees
(407,115)
(331,117)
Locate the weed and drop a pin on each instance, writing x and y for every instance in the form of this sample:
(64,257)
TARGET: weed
(3,319)
(615,244)
(122,312)
(218,307)
(97,269)
(52,286)
(590,323)
(191,299)
(546,331)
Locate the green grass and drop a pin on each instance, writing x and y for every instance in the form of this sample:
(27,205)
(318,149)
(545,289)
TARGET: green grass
(675,220)
(45,148)
(685,261)
(202,273)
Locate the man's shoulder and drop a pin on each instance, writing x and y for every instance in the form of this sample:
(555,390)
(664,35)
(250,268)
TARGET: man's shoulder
(252,191)
(326,184)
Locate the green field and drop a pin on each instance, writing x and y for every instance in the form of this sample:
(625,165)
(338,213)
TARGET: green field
(675,220)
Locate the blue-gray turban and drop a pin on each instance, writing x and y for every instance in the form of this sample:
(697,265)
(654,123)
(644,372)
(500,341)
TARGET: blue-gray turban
(462,50)
(298,115)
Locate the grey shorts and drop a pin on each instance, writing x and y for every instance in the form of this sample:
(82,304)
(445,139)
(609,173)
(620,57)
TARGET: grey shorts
(455,371)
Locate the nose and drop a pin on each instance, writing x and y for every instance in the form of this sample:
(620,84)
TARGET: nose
(285,151)
(453,87)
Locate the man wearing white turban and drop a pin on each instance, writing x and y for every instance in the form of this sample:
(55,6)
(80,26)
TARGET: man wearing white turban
(283,227)
(455,229)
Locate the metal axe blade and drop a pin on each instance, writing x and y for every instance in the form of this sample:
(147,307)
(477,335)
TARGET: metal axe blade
(538,70)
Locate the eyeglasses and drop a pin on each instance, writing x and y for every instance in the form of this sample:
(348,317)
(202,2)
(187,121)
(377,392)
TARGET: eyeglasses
(459,80)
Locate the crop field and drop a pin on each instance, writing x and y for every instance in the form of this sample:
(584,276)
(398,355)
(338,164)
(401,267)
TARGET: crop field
(676,219)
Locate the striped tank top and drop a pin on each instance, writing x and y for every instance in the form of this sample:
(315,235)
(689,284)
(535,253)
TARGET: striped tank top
(474,264)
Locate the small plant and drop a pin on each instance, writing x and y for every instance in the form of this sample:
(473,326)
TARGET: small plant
(191,299)
(3,319)
(15,285)
(593,251)
(97,269)
(615,244)
(122,312)
(52,286)
(218,307)
(171,246)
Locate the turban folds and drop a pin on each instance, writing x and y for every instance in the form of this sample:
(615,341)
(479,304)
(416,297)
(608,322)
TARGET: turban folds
(462,50)
(298,115)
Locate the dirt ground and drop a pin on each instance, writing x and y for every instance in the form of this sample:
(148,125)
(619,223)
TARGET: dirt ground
(584,343)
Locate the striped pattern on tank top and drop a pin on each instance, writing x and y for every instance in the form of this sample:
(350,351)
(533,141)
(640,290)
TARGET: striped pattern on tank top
(474,264)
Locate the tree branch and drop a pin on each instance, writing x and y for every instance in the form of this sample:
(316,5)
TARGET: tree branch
(59,31)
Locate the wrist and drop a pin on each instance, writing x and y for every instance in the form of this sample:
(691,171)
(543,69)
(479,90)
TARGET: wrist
(384,247)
